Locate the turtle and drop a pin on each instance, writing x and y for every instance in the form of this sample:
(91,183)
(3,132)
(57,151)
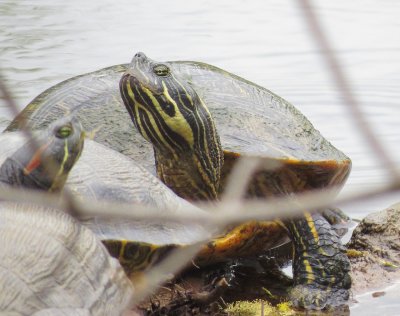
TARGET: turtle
(257,122)
(103,174)
(47,166)
(50,263)
(200,120)
(99,173)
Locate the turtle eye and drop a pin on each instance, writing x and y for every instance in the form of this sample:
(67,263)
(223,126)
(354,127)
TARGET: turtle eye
(161,70)
(64,131)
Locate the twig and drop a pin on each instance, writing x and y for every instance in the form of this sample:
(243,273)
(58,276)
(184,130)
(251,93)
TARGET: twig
(268,209)
(343,84)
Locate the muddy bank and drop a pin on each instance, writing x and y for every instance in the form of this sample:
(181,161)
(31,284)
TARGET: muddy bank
(374,252)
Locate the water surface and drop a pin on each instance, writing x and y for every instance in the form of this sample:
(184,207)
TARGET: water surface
(43,42)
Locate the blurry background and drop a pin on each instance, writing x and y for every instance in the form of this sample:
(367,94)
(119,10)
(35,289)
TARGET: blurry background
(43,42)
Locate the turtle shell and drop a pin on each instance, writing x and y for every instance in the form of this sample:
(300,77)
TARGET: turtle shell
(105,175)
(250,120)
(50,261)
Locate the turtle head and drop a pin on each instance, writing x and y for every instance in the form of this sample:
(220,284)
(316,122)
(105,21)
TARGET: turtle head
(168,112)
(47,166)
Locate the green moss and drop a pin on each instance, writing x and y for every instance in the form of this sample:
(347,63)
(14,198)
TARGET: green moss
(353,253)
(389,264)
(258,308)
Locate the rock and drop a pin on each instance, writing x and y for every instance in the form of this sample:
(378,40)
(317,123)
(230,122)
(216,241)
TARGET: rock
(374,250)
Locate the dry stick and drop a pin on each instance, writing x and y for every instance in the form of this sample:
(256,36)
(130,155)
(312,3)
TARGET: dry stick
(239,180)
(236,185)
(249,210)
(284,207)
(51,164)
(240,177)
(340,79)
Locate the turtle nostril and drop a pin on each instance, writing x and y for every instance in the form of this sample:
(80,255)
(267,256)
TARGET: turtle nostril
(140,55)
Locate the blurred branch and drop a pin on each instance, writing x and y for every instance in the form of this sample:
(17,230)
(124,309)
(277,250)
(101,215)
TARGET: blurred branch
(343,84)
(263,209)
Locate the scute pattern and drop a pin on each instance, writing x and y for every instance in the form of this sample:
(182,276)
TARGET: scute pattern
(48,260)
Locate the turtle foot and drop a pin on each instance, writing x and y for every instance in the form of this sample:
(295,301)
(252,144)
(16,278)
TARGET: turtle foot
(321,283)
(311,298)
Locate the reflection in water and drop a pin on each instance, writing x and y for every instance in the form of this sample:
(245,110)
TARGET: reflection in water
(44,42)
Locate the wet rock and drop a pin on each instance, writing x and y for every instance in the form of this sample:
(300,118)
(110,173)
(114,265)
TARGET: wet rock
(374,250)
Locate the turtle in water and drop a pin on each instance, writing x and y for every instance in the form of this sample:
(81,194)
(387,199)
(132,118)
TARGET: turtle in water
(50,263)
(250,120)
(200,119)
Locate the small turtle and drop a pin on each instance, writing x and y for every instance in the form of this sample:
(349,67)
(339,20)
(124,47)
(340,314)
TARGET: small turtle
(46,167)
(100,174)
(200,119)
(50,263)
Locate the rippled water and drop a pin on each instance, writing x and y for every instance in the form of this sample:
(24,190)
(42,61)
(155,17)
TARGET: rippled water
(43,42)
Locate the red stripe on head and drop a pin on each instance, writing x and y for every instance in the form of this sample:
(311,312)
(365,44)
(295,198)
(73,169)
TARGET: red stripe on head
(36,160)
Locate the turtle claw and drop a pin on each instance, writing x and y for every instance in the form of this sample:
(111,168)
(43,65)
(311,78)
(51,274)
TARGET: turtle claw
(311,298)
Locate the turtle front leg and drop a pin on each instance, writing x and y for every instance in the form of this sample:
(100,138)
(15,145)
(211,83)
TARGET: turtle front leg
(320,266)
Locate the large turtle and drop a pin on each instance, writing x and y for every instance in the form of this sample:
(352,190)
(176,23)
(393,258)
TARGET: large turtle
(201,119)
(250,120)
(50,263)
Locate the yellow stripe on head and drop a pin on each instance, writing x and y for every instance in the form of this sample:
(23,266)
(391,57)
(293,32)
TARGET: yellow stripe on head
(169,113)
(178,122)
(60,176)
